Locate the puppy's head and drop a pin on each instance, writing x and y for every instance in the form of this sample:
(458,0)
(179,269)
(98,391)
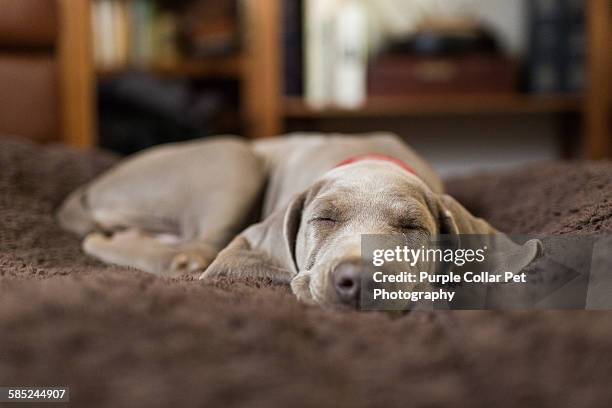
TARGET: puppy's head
(324,224)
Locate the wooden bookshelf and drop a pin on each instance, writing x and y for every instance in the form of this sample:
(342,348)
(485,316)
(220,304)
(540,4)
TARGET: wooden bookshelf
(595,106)
(76,75)
(442,104)
(598,107)
(256,67)
(265,111)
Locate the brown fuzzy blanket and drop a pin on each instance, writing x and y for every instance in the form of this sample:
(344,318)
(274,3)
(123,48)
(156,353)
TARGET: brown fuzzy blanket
(122,338)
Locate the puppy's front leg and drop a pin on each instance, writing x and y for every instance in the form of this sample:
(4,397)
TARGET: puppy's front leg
(240,260)
(264,250)
(135,248)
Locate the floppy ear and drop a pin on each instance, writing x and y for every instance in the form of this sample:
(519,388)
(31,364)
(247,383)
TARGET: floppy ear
(291,227)
(473,232)
(264,250)
(455,219)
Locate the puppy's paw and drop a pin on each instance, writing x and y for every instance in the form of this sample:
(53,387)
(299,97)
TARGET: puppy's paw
(212,272)
(94,243)
(188,262)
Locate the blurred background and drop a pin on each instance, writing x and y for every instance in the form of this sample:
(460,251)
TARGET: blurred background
(472,84)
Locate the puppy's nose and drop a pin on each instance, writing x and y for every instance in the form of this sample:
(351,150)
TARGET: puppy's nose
(347,282)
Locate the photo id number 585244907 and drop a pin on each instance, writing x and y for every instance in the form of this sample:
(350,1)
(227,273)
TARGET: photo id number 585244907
(34,394)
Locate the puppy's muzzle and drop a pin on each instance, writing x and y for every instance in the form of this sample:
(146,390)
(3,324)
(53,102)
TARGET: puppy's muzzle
(347,278)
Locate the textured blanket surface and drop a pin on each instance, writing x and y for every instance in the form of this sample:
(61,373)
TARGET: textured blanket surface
(122,338)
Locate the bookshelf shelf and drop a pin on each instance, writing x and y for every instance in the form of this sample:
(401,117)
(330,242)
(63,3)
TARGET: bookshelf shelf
(226,67)
(442,104)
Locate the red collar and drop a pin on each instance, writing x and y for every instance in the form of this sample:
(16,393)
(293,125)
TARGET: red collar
(382,157)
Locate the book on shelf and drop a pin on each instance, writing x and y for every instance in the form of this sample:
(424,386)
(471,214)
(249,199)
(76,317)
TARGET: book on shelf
(133,33)
(121,35)
(557,46)
(142,12)
(317,67)
(103,33)
(210,28)
(164,34)
(293,47)
(350,57)
(334,53)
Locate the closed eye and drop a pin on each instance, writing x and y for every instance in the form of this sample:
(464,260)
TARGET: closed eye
(409,227)
(324,219)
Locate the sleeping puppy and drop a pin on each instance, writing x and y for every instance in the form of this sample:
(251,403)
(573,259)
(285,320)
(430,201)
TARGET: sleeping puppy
(304,199)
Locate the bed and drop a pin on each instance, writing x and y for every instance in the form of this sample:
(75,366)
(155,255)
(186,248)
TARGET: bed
(122,338)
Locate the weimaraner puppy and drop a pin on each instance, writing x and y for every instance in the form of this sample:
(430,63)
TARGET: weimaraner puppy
(304,199)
